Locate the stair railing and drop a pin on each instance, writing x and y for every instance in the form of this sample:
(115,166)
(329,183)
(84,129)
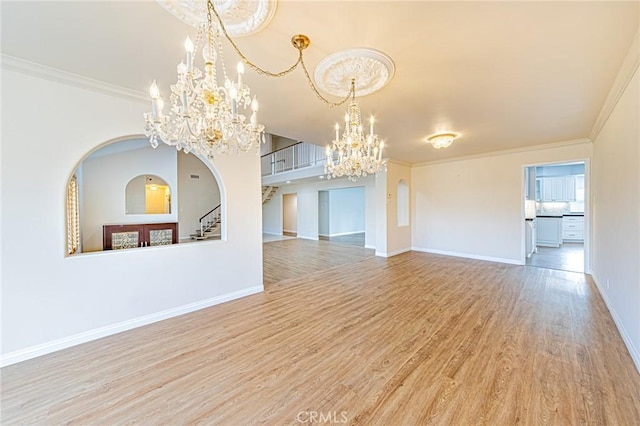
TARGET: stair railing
(293,157)
(211,217)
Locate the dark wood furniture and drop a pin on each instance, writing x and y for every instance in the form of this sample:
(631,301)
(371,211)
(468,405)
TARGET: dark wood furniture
(116,237)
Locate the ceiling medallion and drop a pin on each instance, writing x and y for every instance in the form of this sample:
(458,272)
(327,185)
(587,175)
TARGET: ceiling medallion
(371,69)
(240,17)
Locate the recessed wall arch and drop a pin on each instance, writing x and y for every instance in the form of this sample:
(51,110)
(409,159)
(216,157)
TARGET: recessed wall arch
(147,194)
(103,174)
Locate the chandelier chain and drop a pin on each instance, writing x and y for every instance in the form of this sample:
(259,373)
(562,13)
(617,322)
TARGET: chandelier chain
(315,89)
(211,8)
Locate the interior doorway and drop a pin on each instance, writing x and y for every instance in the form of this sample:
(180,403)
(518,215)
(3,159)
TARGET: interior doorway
(290,215)
(341,215)
(555,201)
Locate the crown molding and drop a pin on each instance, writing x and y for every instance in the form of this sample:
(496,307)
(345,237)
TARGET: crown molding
(12,63)
(627,71)
(398,162)
(508,151)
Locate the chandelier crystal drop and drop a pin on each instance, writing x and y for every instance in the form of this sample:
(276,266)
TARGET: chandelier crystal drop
(204,117)
(354,154)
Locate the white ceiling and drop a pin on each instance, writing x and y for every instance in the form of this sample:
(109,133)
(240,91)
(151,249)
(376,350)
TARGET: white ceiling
(503,74)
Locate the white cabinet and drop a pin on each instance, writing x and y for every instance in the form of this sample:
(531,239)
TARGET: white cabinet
(552,189)
(570,188)
(573,228)
(561,188)
(549,231)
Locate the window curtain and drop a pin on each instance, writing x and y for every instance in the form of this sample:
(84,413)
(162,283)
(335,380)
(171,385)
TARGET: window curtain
(73,216)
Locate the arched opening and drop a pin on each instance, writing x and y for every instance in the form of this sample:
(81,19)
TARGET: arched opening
(147,196)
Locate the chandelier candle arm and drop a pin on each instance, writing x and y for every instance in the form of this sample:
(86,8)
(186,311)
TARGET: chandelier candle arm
(240,69)
(188,46)
(155,97)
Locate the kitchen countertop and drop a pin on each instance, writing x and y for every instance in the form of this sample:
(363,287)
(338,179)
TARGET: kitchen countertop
(560,215)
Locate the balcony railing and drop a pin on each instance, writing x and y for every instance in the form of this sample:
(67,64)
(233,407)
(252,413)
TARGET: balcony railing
(293,157)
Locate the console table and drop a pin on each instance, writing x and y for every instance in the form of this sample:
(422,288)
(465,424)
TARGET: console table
(117,237)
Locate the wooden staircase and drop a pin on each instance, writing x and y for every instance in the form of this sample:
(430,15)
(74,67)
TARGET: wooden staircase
(210,225)
(268,192)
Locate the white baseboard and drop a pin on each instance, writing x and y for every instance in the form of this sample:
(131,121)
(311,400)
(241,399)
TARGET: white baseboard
(272,233)
(469,256)
(289,230)
(340,234)
(304,237)
(633,351)
(87,336)
(369,247)
(392,253)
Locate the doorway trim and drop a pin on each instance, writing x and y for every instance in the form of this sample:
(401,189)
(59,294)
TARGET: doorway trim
(285,215)
(587,207)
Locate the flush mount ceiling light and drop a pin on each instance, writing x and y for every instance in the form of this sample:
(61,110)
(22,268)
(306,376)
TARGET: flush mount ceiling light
(241,17)
(442,140)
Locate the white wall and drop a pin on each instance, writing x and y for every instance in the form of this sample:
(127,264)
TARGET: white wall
(473,207)
(308,207)
(50,301)
(105,179)
(398,237)
(403,203)
(324,209)
(346,211)
(197,195)
(290,213)
(616,214)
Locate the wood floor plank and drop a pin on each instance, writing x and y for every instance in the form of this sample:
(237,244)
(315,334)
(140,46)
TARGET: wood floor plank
(413,339)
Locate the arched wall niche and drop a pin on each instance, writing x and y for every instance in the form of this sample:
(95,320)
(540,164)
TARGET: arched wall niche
(101,178)
(147,194)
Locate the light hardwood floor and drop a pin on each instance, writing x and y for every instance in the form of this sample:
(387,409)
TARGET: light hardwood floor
(413,339)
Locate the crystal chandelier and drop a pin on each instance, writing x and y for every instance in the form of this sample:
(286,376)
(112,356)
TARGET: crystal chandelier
(354,154)
(204,117)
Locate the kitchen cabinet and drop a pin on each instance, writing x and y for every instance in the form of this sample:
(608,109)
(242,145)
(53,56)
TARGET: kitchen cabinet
(549,231)
(570,188)
(562,188)
(573,228)
(531,190)
(117,237)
